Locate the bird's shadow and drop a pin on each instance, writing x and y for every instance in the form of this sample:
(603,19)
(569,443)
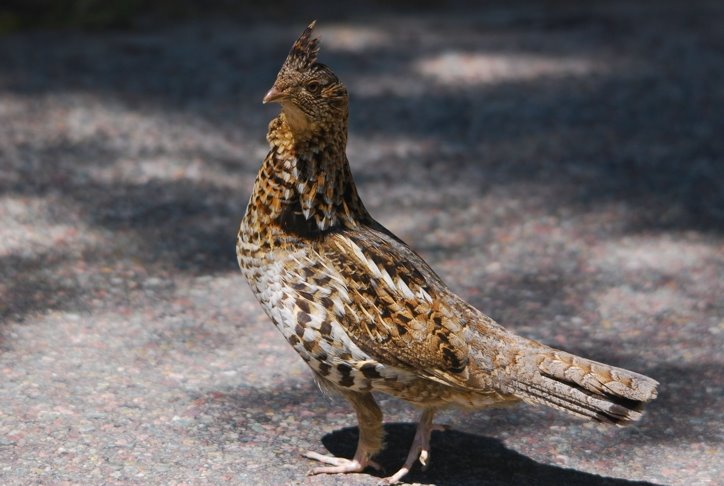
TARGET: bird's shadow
(459,458)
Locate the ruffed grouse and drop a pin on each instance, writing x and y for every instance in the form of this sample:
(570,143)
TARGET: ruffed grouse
(365,311)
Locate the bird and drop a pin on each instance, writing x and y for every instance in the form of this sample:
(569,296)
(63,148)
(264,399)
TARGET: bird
(366,312)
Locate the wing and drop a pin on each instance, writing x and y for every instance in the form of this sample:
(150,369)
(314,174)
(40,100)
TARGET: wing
(390,303)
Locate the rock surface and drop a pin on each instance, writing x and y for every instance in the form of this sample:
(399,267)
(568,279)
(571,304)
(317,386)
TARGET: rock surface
(560,166)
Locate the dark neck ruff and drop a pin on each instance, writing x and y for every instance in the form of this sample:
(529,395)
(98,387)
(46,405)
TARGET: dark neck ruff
(305,187)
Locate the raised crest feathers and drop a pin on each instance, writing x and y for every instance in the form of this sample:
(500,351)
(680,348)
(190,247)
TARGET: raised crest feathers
(303,53)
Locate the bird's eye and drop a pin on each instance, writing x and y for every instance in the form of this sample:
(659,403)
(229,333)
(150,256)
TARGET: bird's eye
(313,87)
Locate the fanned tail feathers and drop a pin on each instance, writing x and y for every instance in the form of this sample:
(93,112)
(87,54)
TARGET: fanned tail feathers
(580,386)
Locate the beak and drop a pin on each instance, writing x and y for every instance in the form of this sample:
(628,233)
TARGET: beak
(273,95)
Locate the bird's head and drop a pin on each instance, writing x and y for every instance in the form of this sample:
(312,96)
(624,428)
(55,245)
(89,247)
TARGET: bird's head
(311,95)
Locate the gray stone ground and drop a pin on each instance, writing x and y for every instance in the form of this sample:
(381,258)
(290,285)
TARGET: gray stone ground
(561,166)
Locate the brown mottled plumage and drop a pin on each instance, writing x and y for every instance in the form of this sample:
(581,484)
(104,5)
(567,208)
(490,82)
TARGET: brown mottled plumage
(365,311)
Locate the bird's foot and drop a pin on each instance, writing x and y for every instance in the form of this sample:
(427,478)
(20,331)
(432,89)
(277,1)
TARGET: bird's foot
(420,450)
(340,465)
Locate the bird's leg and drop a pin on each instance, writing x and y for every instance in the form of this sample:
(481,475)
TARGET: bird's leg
(420,446)
(369,417)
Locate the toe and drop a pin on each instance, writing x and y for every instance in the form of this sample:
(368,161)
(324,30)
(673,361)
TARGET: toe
(348,467)
(424,455)
(395,478)
(335,461)
(339,465)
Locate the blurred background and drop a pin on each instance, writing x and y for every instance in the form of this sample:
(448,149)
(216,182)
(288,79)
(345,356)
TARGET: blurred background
(561,164)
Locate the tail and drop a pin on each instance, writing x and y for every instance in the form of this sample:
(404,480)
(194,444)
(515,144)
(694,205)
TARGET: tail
(576,385)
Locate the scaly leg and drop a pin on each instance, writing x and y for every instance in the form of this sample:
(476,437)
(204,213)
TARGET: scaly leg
(420,446)
(369,417)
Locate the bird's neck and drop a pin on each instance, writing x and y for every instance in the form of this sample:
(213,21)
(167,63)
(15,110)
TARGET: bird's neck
(290,133)
(305,186)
